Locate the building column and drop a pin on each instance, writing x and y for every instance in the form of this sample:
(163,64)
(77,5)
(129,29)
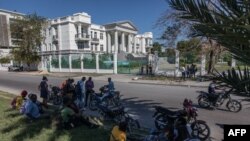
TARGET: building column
(97,62)
(109,43)
(233,63)
(79,29)
(129,42)
(42,63)
(123,43)
(115,63)
(60,64)
(50,59)
(116,42)
(70,63)
(82,62)
(59,37)
(203,64)
(134,44)
(156,66)
(177,61)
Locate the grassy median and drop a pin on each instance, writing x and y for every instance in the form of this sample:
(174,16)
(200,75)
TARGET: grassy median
(14,127)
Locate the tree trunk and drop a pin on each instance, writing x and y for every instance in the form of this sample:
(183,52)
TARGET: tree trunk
(211,62)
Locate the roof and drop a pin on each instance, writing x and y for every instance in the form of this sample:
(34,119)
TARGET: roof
(122,24)
(11,12)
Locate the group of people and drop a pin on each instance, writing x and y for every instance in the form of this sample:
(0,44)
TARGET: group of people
(188,71)
(70,114)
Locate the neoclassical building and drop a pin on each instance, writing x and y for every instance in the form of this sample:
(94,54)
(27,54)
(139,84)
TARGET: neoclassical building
(73,38)
(74,44)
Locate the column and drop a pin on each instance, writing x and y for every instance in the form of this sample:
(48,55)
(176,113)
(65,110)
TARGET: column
(115,63)
(59,37)
(177,59)
(203,64)
(129,42)
(134,45)
(70,63)
(42,62)
(81,62)
(116,42)
(79,29)
(233,63)
(97,62)
(50,59)
(156,67)
(123,43)
(60,65)
(109,43)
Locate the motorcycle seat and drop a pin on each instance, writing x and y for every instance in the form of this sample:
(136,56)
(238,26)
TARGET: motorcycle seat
(166,111)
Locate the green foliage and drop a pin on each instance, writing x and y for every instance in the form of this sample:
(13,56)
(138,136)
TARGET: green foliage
(27,31)
(239,80)
(5,60)
(158,47)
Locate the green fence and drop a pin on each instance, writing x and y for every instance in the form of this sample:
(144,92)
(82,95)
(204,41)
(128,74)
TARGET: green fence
(65,61)
(89,61)
(130,66)
(106,61)
(76,61)
(55,62)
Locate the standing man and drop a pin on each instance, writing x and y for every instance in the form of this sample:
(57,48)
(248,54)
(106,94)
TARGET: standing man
(89,85)
(80,89)
(44,91)
(110,86)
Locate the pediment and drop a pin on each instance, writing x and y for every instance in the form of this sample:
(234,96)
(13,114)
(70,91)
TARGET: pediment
(127,25)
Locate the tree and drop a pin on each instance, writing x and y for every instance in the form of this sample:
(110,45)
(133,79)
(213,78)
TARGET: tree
(157,47)
(27,32)
(227,23)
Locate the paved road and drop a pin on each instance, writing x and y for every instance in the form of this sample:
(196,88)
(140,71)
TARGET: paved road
(140,99)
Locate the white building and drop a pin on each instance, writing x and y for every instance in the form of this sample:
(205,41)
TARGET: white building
(70,40)
(74,38)
(7,42)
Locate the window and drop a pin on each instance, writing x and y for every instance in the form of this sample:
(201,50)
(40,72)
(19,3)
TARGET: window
(92,47)
(91,34)
(95,35)
(80,45)
(101,47)
(101,36)
(50,46)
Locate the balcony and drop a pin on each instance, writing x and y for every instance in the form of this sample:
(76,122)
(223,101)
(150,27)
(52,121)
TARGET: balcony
(82,37)
(95,40)
(149,45)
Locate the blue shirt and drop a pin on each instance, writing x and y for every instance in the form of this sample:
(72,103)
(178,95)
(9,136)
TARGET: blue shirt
(111,86)
(32,109)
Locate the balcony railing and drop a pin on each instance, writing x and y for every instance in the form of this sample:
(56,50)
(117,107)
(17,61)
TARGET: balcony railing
(95,40)
(82,36)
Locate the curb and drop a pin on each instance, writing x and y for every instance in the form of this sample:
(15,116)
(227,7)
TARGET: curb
(176,85)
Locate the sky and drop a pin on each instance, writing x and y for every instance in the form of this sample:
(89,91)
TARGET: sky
(143,13)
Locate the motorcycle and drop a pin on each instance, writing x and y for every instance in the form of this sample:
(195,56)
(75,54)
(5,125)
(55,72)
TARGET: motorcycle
(165,117)
(118,114)
(206,100)
(104,98)
(55,95)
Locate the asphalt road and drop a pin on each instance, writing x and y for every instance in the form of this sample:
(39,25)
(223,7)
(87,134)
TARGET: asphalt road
(140,99)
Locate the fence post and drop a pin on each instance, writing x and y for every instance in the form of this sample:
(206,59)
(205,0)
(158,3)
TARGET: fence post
(177,62)
(115,63)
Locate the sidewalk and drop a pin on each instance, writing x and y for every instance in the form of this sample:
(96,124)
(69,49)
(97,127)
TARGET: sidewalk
(124,78)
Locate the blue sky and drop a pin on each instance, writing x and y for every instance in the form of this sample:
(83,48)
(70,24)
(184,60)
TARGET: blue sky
(143,13)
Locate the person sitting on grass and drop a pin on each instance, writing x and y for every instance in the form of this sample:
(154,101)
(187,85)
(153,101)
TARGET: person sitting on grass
(17,102)
(118,133)
(70,119)
(31,108)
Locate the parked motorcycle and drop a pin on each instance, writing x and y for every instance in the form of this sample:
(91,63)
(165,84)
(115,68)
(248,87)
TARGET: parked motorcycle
(118,114)
(165,117)
(55,95)
(104,98)
(206,100)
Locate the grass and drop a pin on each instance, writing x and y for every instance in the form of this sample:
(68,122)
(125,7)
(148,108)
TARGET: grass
(14,127)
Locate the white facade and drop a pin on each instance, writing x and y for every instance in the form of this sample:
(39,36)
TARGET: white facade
(76,32)
(75,36)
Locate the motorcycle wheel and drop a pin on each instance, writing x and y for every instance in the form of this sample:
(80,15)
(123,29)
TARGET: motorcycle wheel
(57,100)
(200,130)
(204,102)
(92,105)
(159,120)
(234,106)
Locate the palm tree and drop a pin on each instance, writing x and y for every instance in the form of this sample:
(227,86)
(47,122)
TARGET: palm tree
(227,23)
